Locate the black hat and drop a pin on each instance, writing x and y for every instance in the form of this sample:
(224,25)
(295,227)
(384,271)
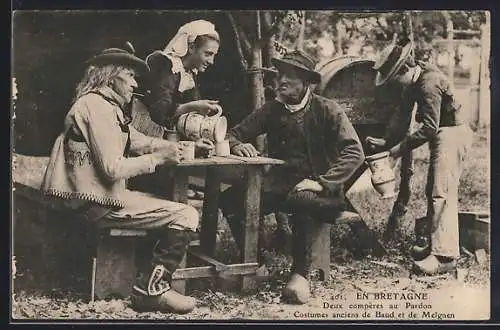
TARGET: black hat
(299,61)
(119,56)
(391,59)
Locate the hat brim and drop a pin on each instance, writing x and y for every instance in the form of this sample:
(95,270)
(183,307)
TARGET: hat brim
(310,75)
(381,79)
(120,59)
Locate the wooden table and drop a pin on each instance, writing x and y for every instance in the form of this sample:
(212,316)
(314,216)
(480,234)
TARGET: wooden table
(178,187)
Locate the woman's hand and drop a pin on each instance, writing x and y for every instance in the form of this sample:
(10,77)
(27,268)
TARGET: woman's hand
(203,147)
(204,107)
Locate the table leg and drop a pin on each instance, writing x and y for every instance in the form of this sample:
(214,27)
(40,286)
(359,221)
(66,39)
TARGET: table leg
(251,209)
(210,212)
(178,193)
(179,186)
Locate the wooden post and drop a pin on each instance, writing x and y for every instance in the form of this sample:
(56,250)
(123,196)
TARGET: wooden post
(257,79)
(210,211)
(473,102)
(253,177)
(484,80)
(300,39)
(269,49)
(340,34)
(451,50)
(410,32)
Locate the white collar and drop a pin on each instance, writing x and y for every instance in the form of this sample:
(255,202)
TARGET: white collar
(296,107)
(187,77)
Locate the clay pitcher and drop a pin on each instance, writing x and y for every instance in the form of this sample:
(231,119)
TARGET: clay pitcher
(195,126)
(383,177)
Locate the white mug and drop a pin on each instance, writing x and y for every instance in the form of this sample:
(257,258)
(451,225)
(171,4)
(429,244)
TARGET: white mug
(187,150)
(222,148)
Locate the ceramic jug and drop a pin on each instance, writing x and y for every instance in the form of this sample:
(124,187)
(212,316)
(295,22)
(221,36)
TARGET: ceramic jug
(383,177)
(194,126)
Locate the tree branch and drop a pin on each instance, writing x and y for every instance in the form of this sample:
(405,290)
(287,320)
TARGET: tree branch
(243,61)
(273,29)
(244,45)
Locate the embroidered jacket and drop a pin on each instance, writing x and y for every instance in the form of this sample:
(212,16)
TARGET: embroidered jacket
(89,160)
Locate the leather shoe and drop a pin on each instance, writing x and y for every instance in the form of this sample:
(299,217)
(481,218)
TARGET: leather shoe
(432,266)
(421,249)
(297,290)
(168,302)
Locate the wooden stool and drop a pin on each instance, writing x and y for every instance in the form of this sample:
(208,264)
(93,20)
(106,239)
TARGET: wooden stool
(318,237)
(113,269)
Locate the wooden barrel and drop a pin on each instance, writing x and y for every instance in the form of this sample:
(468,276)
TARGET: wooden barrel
(350,80)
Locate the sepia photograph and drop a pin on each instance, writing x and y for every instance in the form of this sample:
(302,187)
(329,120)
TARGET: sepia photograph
(250,165)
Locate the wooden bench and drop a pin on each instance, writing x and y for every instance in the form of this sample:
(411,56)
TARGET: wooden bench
(319,240)
(474,230)
(113,263)
(319,234)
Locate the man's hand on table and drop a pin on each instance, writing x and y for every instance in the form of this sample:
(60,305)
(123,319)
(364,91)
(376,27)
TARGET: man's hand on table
(245,150)
(308,184)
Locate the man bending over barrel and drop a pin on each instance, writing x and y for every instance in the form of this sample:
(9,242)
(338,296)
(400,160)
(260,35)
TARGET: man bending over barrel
(321,149)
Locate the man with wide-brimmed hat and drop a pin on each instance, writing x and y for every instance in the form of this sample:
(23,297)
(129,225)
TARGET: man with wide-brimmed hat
(321,149)
(449,137)
(93,157)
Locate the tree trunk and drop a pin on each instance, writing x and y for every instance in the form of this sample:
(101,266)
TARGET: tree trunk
(269,50)
(257,84)
(300,39)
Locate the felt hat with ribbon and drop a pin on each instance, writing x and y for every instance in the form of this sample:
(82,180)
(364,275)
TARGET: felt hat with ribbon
(391,59)
(300,62)
(119,56)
